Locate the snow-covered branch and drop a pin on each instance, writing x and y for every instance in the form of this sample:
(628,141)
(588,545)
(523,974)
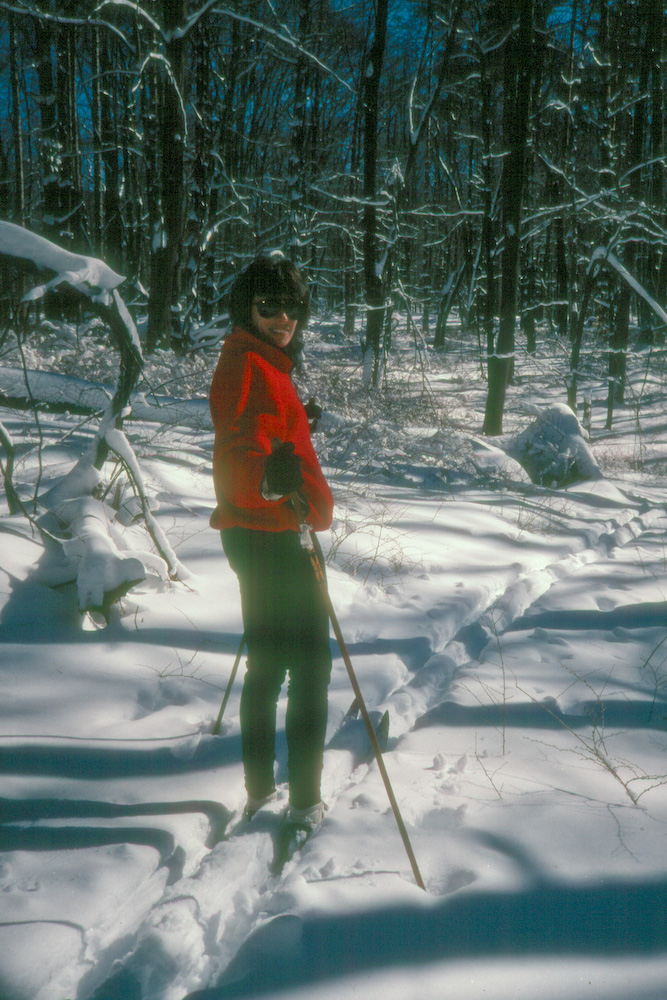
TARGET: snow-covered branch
(77,22)
(135,8)
(604,255)
(283,39)
(121,447)
(87,275)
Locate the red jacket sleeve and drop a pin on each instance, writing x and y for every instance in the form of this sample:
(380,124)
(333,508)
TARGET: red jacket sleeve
(248,415)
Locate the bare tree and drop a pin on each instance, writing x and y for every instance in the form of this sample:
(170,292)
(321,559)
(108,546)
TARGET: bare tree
(172,129)
(373,268)
(17,124)
(516,110)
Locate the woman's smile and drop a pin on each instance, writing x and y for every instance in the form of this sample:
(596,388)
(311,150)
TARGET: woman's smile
(277,330)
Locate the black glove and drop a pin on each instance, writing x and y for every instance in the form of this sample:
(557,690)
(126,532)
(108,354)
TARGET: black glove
(313,412)
(282,471)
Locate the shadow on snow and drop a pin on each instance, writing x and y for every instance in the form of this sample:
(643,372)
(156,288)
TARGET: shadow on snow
(650,614)
(618,918)
(547,715)
(102,763)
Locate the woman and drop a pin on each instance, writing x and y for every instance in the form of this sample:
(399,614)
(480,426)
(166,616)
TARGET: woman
(262,454)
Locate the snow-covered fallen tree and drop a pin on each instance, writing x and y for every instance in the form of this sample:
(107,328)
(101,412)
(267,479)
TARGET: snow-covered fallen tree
(85,528)
(60,393)
(71,512)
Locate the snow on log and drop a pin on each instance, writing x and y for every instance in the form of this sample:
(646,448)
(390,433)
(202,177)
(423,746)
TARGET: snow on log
(81,481)
(553,450)
(103,574)
(54,391)
(51,390)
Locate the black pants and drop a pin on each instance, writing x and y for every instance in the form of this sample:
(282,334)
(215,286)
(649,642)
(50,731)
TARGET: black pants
(287,629)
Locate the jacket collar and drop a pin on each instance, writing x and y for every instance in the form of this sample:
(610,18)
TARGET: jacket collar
(245,341)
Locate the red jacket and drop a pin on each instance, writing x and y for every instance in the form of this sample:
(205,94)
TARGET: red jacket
(254,403)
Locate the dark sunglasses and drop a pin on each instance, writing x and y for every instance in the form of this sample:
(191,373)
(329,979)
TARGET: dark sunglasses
(267,308)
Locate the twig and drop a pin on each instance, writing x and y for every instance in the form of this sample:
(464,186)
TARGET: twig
(13,501)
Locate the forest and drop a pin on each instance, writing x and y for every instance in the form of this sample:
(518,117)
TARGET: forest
(499,161)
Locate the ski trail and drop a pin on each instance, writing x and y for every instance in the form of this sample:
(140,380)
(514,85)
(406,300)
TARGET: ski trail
(193,931)
(496,612)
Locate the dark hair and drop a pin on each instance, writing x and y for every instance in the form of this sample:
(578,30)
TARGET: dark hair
(272,277)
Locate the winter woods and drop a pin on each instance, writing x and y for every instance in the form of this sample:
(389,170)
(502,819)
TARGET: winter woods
(476,191)
(462,157)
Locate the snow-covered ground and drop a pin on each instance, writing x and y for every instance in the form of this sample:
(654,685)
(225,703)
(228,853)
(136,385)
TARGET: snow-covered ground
(517,634)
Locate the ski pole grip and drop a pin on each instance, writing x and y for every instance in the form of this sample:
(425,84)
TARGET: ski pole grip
(300,511)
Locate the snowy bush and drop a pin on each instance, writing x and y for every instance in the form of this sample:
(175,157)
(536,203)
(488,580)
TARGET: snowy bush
(553,450)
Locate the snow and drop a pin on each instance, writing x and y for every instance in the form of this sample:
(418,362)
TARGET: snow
(101,568)
(516,633)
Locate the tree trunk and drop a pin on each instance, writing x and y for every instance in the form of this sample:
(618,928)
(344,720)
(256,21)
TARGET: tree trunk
(351,282)
(562,310)
(48,139)
(296,181)
(578,335)
(373,276)
(446,302)
(198,224)
(488,249)
(97,221)
(110,105)
(621,336)
(135,203)
(516,108)
(163,297)
(230,154)
(656,40)
(73,229)
(349,287)
(19,216)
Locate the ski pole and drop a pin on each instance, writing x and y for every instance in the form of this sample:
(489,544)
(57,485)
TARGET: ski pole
(308,544)
(230,684)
